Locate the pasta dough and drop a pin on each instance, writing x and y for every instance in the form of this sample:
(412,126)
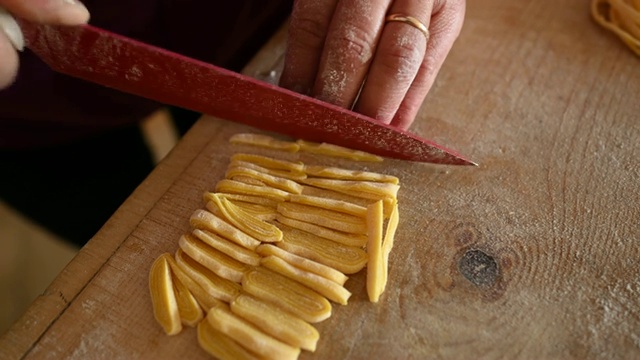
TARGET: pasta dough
(622,17)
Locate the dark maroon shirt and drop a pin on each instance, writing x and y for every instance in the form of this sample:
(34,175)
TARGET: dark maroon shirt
(45,108)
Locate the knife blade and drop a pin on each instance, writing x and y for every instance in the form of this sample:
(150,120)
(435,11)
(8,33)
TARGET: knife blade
(100,56)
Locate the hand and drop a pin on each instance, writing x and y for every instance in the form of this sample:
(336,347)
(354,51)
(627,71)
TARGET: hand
(61,12)
(335,45)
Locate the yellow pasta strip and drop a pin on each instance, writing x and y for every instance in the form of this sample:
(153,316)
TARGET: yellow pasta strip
(288,294)
(215,210)
(295,175)
(330,289)
(262,212)
(330,194)
(163,298)
(269,163)
(330,204)
(387,244)
(264,141)
(204,220)
(341,237)
(373,189)
(246,180)
(205,299)
(190,311)
(252,199)
(221,346)
(227,247)
(303,263)
(355,197)
(622,18)
(221,289)
(346,174)
(375,265)
(323,217)
(214,260)
(250,337)
(337,151)
(247,223)
(236,187)
(276,322)
(346,259)
(280,183)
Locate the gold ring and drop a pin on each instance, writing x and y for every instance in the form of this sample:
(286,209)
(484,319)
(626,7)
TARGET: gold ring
(409,20)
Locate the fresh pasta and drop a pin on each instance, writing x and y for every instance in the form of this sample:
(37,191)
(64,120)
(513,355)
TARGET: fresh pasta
(622,17)
(270,249)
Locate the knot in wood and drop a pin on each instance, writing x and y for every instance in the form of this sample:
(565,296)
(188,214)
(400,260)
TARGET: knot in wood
(479,268)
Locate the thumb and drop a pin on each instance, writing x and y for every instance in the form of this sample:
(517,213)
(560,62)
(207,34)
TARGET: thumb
(8,62)
(60,12)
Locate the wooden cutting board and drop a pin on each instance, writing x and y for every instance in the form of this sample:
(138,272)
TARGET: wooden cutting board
(533,254)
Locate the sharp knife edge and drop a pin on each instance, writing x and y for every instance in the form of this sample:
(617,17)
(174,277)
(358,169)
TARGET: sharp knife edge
(99,56)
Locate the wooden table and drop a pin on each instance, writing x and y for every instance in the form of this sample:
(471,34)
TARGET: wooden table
(533,254)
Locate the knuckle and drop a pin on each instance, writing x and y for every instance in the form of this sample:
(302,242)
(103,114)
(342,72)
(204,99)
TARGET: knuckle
(307,30)
(403,56)
(355,41)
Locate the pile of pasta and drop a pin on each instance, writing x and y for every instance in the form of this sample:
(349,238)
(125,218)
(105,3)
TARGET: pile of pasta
(622,17)
(271,249)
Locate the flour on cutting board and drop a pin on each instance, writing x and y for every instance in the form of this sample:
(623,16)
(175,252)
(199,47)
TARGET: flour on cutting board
(618,306)
(99,343)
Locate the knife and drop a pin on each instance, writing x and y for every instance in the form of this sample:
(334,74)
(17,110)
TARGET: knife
(100,56)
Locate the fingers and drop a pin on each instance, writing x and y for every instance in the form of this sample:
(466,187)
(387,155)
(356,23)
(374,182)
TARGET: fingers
(334,45)
(398,58)
(9,57)
(446,23)
(348,50)
(330,47)
(309,25)
(62,12)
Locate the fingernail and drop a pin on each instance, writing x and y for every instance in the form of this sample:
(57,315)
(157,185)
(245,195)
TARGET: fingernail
(74,12)
(11,29)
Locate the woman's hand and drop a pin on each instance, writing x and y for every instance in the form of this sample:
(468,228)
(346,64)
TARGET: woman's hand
(61,12)
(337,45)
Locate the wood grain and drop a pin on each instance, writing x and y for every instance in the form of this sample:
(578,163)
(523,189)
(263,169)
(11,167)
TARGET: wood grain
(531,255)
